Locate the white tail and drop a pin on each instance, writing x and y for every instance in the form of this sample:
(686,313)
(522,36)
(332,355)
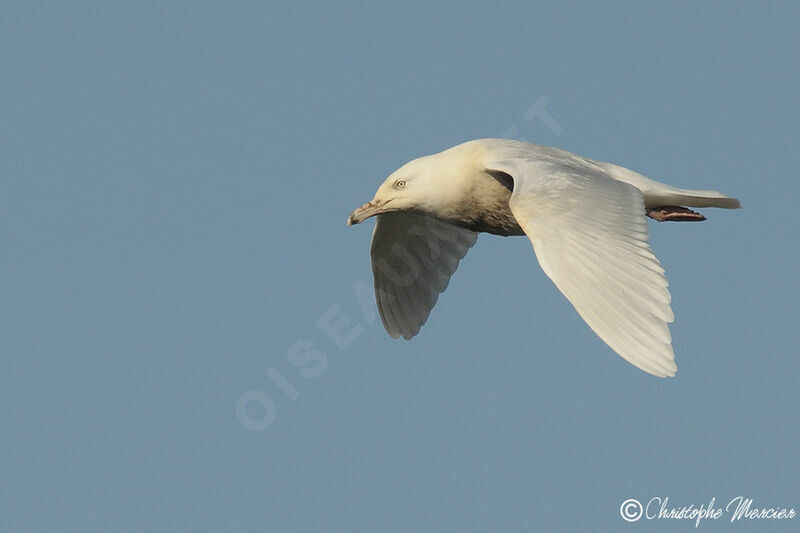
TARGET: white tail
(658,194)
(690,198)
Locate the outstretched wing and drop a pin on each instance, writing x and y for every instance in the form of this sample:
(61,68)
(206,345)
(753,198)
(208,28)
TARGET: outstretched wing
(589,233)
(413,257)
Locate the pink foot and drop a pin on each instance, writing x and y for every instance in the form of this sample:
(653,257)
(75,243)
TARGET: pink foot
(674,214)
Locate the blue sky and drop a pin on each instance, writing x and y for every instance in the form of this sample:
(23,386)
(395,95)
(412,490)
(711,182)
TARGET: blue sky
(176,179)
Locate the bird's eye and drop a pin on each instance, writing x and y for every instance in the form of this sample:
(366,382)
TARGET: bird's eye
(399,184)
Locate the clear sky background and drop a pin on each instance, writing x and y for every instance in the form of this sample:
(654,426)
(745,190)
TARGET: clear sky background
(175,183)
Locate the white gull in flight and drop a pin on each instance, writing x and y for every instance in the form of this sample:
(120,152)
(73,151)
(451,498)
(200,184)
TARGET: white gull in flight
(585,219)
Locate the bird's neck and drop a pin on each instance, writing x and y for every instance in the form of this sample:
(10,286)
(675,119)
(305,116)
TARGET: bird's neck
(483,206)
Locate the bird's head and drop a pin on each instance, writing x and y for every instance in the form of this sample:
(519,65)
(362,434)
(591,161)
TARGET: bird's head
(431,185)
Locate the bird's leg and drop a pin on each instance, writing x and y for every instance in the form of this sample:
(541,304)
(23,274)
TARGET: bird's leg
(674,214)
